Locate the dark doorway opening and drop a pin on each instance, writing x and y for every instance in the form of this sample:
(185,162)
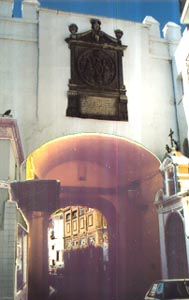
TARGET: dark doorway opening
(176,247)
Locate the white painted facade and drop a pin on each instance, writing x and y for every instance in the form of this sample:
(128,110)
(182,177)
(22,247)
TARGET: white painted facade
(181,61)
(13,225)
(35,71)
(34,76)
(172,202)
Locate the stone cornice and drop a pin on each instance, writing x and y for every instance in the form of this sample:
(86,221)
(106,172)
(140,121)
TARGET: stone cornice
(9,131)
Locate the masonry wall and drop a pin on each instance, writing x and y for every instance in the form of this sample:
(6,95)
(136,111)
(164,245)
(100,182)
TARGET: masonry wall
(18,71)
(35,71)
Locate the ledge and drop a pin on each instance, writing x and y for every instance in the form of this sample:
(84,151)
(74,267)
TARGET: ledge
(9,130)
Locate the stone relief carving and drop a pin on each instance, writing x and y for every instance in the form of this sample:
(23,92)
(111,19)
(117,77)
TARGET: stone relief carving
(96,67)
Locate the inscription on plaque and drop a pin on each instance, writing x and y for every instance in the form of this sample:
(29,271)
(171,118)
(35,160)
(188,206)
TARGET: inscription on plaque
(98,106)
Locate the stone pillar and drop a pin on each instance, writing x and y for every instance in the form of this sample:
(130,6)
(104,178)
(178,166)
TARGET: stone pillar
(5,150)
(6,8)
(164,268)
(172,32)
(38,199)
(38,255)
(30,9)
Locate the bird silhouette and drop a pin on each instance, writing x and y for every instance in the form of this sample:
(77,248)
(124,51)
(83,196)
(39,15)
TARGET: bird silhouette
(6,113)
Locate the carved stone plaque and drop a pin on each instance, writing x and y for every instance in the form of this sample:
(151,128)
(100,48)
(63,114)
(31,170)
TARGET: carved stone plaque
(96,88)
(96,67)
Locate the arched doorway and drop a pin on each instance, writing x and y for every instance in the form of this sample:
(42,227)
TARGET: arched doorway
(176,247)
(119,178)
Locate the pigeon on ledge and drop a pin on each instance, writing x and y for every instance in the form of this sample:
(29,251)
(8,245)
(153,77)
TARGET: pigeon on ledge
(7,113)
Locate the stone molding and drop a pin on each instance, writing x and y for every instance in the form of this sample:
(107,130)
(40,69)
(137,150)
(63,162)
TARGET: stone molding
(9,131)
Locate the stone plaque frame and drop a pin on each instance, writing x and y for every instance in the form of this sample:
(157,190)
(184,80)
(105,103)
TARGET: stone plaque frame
(96,88)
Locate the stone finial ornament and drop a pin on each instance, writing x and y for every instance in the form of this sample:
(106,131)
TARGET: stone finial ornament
(95,25)
(96,33)
(73,28)
(118,34)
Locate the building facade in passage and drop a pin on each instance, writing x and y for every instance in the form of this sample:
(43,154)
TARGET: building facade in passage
(74,228)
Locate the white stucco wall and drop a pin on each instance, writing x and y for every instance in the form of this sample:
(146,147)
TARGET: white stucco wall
(18,70)
(35,70)
(181,55)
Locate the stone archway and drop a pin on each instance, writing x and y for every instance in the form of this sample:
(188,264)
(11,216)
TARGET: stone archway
(120,178)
